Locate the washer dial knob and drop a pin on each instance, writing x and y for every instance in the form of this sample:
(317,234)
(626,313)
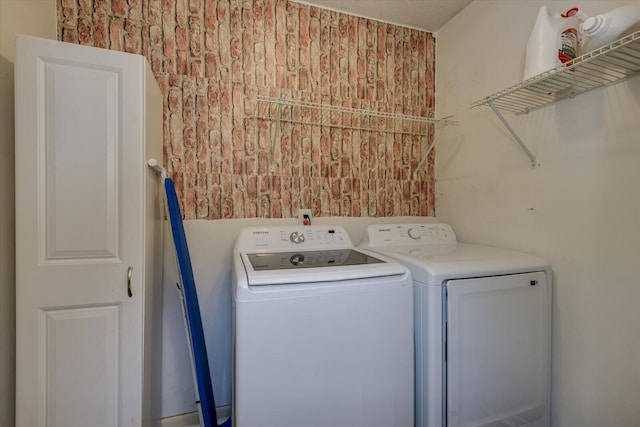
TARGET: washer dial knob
(296,237)
(297,260)
(414,234)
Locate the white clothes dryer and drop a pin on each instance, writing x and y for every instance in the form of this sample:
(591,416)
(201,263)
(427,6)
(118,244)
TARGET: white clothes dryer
(323,333)
(482,328)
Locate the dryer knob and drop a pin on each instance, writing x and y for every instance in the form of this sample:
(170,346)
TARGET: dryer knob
(296,237)
(414,234)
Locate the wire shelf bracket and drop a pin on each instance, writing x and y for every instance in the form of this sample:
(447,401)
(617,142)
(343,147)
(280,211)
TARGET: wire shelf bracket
(534,162)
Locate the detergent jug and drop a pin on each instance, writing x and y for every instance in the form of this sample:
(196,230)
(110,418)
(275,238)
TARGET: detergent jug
(553,41)
(603,29)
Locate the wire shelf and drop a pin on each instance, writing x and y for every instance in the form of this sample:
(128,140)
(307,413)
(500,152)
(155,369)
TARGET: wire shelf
(601,67)
(308,113)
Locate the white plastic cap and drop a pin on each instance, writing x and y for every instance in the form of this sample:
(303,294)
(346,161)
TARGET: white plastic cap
(595,26)
(589,23)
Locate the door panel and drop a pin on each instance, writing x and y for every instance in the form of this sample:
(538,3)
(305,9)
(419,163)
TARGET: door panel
(80,357)
(73,153)
(498,349)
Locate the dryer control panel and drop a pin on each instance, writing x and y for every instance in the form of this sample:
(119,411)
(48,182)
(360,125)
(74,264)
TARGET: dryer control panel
(409,234)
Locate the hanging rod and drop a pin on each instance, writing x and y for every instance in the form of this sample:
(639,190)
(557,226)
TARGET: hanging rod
(338,126)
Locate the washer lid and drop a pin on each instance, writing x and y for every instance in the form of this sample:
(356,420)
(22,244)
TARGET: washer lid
(289,267)
(265,261)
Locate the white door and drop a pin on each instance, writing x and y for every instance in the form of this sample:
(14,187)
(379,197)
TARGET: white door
(79,231)
(498,350)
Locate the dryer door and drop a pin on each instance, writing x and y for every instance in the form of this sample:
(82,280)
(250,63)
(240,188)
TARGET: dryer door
(499,350)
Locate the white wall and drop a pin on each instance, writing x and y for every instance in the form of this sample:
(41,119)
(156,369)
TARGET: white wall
(580,209)
(210,247)
(38,18)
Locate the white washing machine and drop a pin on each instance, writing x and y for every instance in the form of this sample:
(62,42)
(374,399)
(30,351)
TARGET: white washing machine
(323,333)
(482,328)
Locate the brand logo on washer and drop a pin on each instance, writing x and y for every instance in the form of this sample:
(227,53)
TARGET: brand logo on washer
(260,232)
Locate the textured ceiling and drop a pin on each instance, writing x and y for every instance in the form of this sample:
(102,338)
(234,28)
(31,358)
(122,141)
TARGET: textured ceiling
(428,15)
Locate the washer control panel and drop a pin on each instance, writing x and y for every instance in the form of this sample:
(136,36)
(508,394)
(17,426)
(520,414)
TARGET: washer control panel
(409,234)
(292,238)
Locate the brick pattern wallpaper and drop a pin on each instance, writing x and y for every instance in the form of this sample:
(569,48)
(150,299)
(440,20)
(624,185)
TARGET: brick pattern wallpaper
(212,58)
